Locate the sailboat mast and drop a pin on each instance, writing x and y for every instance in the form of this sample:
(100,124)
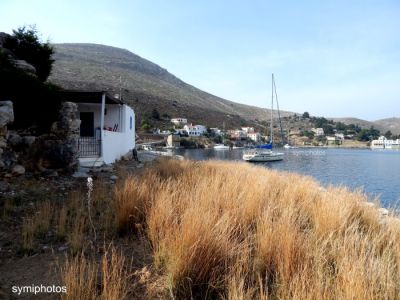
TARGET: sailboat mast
(279,113)
(272,105)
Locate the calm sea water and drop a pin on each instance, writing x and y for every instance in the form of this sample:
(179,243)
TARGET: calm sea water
(377,172)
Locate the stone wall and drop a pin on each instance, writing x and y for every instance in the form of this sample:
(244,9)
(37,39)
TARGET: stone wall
(6,117)
(59,148)
(54,151)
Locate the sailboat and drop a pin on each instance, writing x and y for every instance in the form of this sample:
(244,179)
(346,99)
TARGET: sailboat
(264,153)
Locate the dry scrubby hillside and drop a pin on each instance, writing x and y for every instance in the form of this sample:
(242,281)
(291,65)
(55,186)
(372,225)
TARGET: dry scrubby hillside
(236,231)
(145,84)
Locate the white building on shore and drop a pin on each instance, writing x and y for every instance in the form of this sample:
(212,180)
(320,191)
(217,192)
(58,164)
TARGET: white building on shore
(107,128)
(383,143)
(195,130)
(318,131)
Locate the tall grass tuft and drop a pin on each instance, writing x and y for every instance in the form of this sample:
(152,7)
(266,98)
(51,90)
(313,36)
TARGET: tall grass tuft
(237,231)
(86,279)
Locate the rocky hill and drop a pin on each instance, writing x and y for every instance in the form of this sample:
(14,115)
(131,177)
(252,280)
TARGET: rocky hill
(392,124)
(147,86)
(144,85)
(383,125)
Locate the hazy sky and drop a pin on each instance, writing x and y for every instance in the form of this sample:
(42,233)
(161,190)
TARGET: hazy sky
(331,58)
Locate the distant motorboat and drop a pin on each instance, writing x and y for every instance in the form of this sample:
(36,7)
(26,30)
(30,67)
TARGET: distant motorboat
(287,146)
(221,147)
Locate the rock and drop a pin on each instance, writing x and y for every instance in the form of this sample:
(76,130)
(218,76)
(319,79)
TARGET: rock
(3,131)
(7,40)
(51,173)
(14,139)
(4,186)
(127,156)
(113,177)
(62,248)
(18,170)
(28,140)
(24,66)
(3,142)
(6,113)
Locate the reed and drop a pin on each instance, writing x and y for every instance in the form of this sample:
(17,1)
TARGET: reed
(237,231)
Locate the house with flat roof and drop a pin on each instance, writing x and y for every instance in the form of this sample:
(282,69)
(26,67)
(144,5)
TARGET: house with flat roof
(107,129)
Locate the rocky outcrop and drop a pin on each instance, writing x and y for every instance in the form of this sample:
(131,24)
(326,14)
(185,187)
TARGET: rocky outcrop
(6,113)
(6,117)
(7,44)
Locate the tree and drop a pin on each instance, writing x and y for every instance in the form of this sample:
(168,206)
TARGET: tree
(31,96)
(32,50)
(388,134)
(306,115)
(368,134)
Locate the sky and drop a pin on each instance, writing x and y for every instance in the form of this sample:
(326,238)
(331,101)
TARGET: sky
(331,58)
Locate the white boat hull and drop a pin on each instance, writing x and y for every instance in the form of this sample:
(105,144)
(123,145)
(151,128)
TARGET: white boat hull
(221,147)
(262,156)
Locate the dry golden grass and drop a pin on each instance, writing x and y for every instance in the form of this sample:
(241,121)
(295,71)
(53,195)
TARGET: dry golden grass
(27,235)
(86,279)
(238,231)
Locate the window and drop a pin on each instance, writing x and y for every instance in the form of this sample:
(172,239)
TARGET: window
(130,122)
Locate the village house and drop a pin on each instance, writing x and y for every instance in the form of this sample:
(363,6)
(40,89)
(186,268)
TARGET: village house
(179,121)
(254,136)
(333,140)
(318,131)
(195,130)
(339,136)
(107,129)
(216,131)
(248,129)
(237,134)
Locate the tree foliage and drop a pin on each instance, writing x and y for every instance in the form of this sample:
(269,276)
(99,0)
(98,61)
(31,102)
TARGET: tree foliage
(368,134)
(31,49)
(36,103)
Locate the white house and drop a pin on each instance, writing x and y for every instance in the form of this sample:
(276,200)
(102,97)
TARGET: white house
(340,136)
(248,129)
(254,136)
(383,143)
(107,129)
(179,121)
(216,131)
(195,130)
(318,131)
(237,134)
